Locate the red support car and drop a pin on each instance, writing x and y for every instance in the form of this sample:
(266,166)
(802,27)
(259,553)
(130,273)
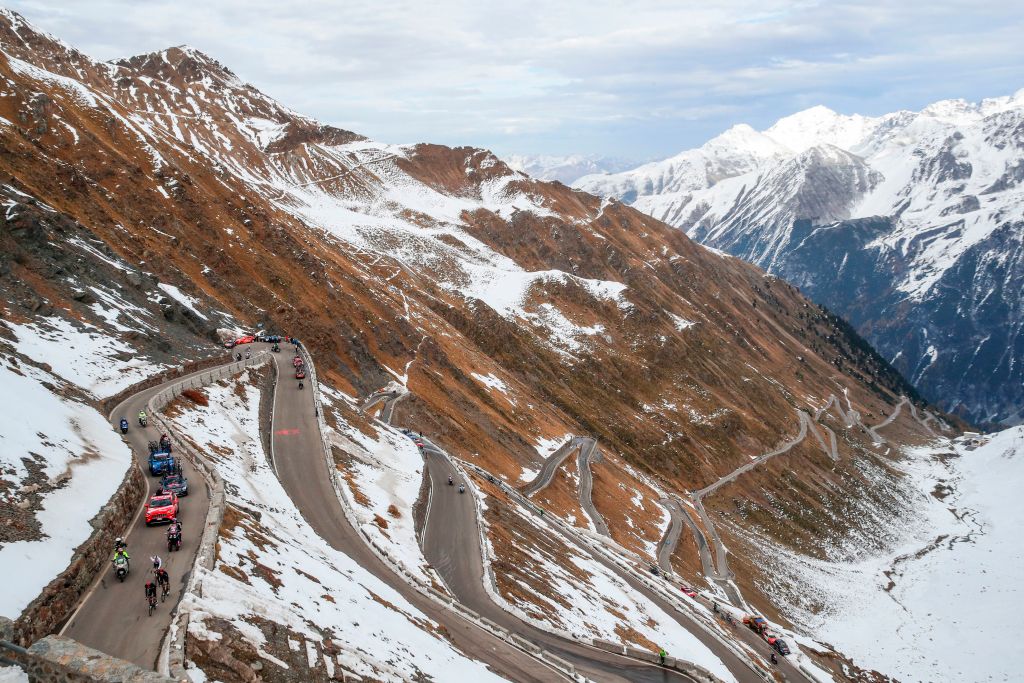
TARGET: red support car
(161,508)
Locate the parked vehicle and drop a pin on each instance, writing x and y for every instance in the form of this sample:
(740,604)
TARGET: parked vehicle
(161,463)
(758,625)
(688,591)
(161,508)
(230,344)
(247,339)
(777,643)
(176,484)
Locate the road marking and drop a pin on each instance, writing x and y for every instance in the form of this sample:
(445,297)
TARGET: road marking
(286,432)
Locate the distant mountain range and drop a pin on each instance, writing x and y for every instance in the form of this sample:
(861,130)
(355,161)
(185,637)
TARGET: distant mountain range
(908,224)
(566,169)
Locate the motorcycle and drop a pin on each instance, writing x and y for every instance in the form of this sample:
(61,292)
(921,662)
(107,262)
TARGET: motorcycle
(300,385)
(173,540)
(462,489)
(120,568)
(450,481)
(143,421)
(124,426)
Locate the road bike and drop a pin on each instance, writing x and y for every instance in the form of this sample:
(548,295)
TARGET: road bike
(165,590)
(152,603)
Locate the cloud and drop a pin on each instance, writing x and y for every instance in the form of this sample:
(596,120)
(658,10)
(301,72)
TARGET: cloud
(627,79)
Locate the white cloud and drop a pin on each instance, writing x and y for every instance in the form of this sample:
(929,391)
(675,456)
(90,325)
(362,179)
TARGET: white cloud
(635,79)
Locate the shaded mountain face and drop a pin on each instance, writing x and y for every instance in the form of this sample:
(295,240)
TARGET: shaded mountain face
(908,224)
(184,200)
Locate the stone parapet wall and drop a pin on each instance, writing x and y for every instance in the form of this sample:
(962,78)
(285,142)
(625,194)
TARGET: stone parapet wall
(62,660)
(55,604)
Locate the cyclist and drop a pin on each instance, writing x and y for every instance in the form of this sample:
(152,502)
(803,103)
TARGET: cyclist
(150,593)
(163,580)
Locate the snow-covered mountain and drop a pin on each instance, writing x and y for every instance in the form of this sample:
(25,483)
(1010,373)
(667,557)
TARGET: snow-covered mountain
(908,224)
(565,169)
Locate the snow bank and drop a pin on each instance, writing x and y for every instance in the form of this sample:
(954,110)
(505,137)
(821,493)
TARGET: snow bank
(388,470)
(294,578)
(82,354)
(949,612)
(604,606)
(69,444)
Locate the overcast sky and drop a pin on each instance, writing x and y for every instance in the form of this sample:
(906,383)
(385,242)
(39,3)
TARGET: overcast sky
(631,79)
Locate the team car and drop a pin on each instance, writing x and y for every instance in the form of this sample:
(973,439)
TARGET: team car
(777,643)
(162,507)
(176,484)
(300,372)
(161,463)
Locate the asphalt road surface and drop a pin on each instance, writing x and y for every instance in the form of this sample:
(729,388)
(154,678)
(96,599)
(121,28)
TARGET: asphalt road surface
(113,616)
(547,470)
(589,454)
(301,467)
(451,544)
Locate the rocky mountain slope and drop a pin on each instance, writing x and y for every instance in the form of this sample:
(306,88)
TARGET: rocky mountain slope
(161,197)
(908,224)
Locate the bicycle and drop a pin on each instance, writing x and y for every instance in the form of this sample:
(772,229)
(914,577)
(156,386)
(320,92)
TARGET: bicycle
(165,590)
(152,603)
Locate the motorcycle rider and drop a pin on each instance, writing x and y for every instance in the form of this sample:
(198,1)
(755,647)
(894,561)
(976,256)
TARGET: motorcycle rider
(449,480)
(119,544)
(300,385)
(462,488)
(142,417)
(174,530)
(775,660)
(124,425)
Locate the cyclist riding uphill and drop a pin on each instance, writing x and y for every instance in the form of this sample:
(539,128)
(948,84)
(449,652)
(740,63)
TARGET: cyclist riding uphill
(150,590)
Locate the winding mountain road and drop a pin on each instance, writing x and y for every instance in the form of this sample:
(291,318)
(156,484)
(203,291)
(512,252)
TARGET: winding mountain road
(589,454)
(112,616)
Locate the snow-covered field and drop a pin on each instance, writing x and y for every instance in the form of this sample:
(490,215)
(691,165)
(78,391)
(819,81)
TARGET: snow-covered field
(295,579)
(604,606)
(67,444)
(387,469)
(82,354)
(950,613)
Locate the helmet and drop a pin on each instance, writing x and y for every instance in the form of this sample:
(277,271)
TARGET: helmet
(118,540)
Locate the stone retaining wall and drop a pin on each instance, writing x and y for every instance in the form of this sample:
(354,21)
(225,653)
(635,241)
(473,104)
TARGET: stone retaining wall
(57,601)
(62,660)
(172,658)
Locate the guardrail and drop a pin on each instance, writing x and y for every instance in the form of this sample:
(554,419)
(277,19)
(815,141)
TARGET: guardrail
(599,547)
(172,651)
(564,668)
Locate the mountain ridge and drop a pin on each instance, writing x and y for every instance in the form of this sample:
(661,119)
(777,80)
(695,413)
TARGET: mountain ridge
(948,181)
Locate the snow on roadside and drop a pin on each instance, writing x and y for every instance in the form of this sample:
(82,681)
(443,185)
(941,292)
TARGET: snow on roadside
(272,566)
(953,579)
(50,440)
(12,674)
(82,354)
(387,470)
(583,597)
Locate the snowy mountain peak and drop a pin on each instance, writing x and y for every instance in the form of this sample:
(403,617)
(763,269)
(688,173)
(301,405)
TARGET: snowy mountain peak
(744,138)
(820,125)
